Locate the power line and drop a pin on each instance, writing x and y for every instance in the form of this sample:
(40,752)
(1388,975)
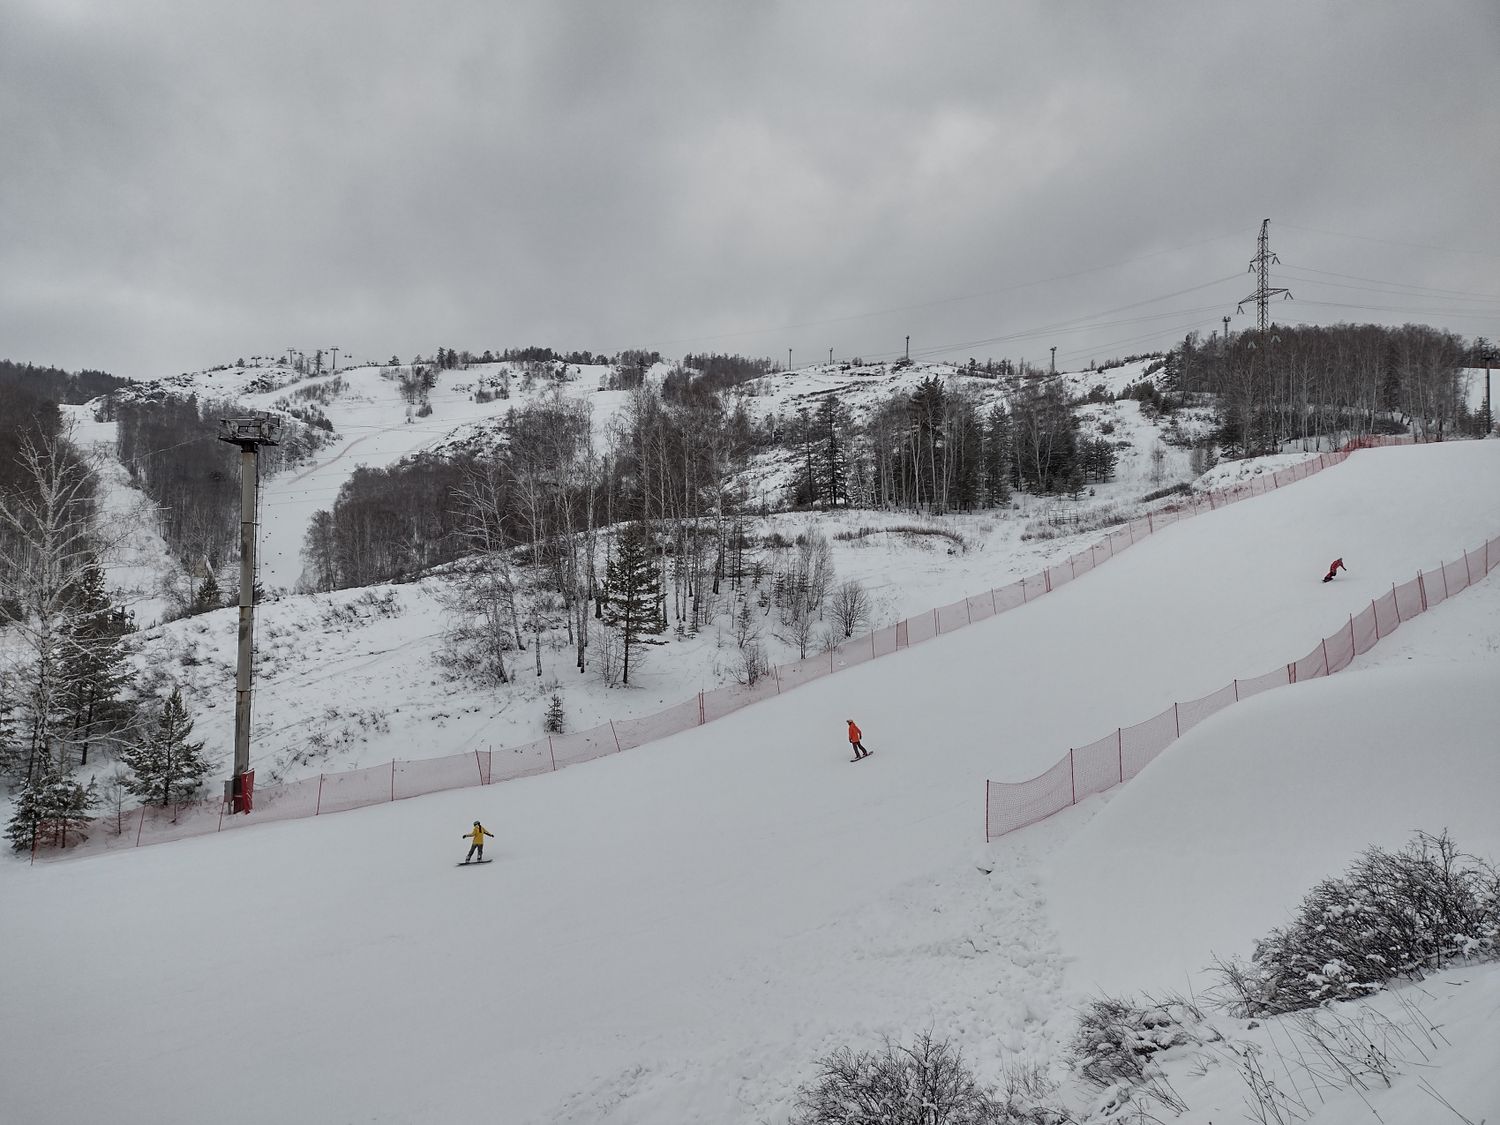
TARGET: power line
(946,300)
(1391,241)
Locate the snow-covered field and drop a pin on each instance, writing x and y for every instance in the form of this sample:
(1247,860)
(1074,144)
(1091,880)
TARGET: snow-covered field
(676,933)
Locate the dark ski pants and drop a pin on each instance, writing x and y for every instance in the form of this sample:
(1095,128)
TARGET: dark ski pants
(859,749)
(472,849)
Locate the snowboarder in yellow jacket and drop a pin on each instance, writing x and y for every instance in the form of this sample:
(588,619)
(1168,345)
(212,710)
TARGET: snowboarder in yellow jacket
(476,837)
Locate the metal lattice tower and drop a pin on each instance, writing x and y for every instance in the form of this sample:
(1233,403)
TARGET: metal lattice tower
(1261,265)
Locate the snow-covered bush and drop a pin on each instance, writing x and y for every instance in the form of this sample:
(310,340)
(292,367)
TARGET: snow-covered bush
(1391,914)
(927,1083)
(1115,1038)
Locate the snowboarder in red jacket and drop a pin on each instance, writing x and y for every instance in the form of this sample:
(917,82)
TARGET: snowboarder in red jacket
(1333,568)
(855,744)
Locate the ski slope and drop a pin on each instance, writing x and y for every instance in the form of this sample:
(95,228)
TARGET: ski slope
(674,934)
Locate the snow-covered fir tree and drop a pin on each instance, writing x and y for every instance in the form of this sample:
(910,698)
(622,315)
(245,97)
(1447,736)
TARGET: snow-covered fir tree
(166,767)
(632,590)
(51,809)
(93,668)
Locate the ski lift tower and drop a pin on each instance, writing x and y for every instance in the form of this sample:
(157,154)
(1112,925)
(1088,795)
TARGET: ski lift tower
(249,434)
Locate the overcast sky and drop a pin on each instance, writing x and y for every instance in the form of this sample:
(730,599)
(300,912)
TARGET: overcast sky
(184,182)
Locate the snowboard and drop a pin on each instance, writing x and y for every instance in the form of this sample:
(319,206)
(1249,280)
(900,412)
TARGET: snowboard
(472,862)
(866,754)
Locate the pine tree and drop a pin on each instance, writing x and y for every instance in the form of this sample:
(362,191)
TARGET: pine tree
(9,749)
(556,721)
(50,809)
(167,766)
(832,470)
(632,589)
(209,596)
(92,665)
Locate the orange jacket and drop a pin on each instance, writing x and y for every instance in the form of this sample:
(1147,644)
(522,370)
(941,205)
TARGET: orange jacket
(854,735)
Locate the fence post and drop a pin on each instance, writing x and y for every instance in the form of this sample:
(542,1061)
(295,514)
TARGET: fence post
(1327,671)
(1291,673)
(1443,570)
(986,810)
(967,610)
(141,827)
(1236,691)
(393,780)
(994,608)
(478,768)
(937,622)
(1150,525)
(1352,653)
(1120,751)
(615,736)
(775,675)
(701,719)
(1396,602)
(1467,569)
(873,653)
(1375,613)
(318,808)
(553,755)
(1072,777)
(1422,591)
(1176,721)
(1047,580)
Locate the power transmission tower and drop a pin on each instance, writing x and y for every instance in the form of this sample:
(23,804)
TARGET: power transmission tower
(249,434)
(1260,265)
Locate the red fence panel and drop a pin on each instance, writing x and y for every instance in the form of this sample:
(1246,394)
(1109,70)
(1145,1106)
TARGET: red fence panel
(574,747)
(980,606)
(953,616)
(721,701)
(1008,597)
(1409,599)
(1096,767)
(663,724)
(1455,577)
(433,775)
(526,760)
(1192,713)
(855,650)
(1014,805)
(886,641)
(1257,684)
(354,789)
(1362,628)
(801,672)
(922,627)
(1144,741)
(1386,618)
(1340,649)
(1311,666)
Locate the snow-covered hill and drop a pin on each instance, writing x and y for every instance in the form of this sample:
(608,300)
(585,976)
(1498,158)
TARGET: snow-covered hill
(676,933)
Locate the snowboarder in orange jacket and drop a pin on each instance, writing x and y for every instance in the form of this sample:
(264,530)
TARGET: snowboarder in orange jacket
(1333,568)
(855,744)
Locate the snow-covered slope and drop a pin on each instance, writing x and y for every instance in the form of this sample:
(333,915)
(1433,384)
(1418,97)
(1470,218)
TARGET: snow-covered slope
(676,933)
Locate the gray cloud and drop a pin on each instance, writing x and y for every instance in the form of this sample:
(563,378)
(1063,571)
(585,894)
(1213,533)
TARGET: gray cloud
(186,182)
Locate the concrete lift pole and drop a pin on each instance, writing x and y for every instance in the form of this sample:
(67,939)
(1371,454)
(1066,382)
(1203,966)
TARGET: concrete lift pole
(249,434)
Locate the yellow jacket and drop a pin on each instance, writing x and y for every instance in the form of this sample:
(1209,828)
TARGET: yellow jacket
(478,834)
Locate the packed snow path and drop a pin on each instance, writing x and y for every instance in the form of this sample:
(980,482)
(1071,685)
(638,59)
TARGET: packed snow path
(674,934)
